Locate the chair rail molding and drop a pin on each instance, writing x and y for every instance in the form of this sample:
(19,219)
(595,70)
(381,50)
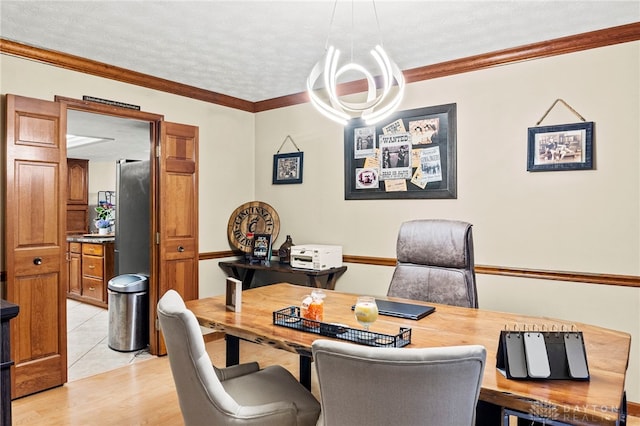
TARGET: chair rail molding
(543,274)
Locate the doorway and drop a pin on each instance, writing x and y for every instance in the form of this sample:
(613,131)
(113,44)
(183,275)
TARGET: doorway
(35,239)
(102,141)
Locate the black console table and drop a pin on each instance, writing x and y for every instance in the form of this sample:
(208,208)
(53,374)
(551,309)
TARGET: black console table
(314,278)
(7,311)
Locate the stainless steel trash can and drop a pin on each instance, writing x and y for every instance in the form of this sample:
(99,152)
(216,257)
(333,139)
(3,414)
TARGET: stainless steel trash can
(128,312)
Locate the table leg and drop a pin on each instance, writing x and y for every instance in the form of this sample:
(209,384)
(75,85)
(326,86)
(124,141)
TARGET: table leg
(305,371)
(248,277)
(313,281)
(331,281)
(233,350)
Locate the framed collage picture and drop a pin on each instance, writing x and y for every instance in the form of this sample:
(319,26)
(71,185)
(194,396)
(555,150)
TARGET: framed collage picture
(287,168)
(412,154)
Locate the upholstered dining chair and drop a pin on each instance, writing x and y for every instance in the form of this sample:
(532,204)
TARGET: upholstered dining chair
(362,385)
(435,263)
(239,395)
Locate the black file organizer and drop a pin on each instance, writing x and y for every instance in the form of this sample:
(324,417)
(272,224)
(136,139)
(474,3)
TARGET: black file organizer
(546,355)
(290,317)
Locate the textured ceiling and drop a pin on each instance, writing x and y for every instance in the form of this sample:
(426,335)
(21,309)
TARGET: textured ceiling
(257,50)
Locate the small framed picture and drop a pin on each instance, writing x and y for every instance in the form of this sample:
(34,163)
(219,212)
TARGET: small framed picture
(560,147)
(234,295)
(261,248)
(287,168)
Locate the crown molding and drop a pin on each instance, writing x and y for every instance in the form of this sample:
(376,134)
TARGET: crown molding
(100,69)
(559,46)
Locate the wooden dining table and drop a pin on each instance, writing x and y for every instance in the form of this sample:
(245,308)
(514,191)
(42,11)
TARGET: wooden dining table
(597,401)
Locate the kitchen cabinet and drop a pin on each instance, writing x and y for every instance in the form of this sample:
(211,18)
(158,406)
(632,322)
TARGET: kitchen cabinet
(77,196)
(75,268)
(91,266)
(77,181)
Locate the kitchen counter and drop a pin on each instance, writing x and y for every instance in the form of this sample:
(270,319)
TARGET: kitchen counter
(91,238)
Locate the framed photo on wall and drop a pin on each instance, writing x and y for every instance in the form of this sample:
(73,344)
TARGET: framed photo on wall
(560,147)
(412,154)
(287,168)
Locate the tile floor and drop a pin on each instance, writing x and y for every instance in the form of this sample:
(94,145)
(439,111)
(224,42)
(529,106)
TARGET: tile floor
(88,352)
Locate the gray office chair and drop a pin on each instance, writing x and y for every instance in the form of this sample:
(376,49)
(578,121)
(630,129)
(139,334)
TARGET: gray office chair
(239,395)
(361,385)
(435,263)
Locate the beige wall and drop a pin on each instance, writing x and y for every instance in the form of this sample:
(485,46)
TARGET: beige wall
(584,221)
(226,135)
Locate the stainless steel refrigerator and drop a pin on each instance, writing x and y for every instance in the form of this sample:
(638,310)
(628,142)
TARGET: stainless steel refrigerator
(132,224)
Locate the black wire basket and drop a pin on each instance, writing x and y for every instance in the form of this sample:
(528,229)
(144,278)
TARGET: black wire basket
(290,317)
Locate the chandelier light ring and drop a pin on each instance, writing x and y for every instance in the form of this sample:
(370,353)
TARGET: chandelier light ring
(375,108)
(387,109)
(332,74)
(325,109)
(385,65)
(354,106)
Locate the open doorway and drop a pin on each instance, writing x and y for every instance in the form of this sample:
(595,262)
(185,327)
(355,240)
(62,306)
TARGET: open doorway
(36,153)
(103,142)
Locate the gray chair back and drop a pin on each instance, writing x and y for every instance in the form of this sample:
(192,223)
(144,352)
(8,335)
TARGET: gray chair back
(362,385)
(435,263)
(238,395)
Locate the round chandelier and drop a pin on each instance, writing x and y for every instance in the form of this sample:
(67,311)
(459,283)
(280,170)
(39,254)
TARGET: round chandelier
(383,95)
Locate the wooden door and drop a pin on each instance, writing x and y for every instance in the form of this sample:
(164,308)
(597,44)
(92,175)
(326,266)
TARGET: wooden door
(177,214)
(35,242)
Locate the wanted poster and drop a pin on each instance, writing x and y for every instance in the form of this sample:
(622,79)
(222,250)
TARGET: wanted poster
(395,156)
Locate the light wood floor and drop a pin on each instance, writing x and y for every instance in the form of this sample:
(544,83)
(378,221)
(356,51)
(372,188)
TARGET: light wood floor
(139,394)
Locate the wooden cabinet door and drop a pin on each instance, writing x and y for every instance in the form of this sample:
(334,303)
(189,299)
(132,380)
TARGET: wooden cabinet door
(77,181)
(75,272)
(35,242)
(77,196)
(178,214)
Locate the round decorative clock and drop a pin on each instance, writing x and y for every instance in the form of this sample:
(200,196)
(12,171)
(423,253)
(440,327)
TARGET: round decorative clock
(254,217)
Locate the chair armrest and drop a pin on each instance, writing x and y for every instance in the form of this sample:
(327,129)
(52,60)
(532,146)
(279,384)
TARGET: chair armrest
(236,370)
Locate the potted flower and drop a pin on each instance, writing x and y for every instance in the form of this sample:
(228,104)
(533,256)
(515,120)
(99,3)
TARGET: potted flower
(105,218)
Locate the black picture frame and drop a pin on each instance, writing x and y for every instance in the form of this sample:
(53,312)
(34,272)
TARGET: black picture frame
(260,248)
(428,169)
(287,168)
(560,147)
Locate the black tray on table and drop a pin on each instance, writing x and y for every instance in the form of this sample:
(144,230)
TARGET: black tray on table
(290,317)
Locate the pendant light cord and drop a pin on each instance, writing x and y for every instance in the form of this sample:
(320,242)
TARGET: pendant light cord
(375,12)
(333,15)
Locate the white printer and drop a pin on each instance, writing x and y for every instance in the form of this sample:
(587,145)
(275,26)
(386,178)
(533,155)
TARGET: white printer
(316,256)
